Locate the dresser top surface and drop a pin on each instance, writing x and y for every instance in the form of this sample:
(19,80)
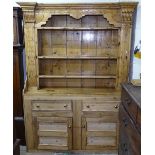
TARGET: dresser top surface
(72,92)
(114,4)
(134,92)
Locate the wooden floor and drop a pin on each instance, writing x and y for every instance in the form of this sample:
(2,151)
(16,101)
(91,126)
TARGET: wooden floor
(23,152)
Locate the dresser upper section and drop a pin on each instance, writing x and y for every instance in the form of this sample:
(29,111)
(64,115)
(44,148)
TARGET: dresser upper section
(77,45)
(116,13)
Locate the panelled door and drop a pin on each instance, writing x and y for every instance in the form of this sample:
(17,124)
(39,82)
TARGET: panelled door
(100,124)
(99,133)
(54,133)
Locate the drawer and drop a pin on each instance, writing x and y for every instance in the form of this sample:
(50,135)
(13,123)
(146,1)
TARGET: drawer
(58,105)
(139,119)
(100,106)
(133,136)
(130,105)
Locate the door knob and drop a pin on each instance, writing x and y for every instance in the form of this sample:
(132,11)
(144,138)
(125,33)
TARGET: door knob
(69,126)
(116,106)
(88,106)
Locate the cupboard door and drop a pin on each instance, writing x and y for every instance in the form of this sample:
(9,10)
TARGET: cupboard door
(99,133)
(54,133)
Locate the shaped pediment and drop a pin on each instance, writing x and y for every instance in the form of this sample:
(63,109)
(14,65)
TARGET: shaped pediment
(85,21)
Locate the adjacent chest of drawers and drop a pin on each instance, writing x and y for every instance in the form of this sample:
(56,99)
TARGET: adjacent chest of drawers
(130,121)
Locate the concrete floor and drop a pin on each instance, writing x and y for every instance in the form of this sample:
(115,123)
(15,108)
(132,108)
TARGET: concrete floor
(23,152)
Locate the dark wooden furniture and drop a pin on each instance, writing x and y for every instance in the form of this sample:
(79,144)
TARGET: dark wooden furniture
(17,26)
(16,142)
(18,75)
(130,120)
(17,80)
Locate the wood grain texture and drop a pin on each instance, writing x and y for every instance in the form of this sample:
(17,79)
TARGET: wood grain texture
(76,59)
(54,132)
(77,125)
(83,41)
(28,124)
(130,123)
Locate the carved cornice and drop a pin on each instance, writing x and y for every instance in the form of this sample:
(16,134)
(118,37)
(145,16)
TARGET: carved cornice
(115,13)
(28,11)
(127,15)
(127,12)
(113,17)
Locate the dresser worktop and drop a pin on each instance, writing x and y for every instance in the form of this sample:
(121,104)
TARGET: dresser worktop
(134,92)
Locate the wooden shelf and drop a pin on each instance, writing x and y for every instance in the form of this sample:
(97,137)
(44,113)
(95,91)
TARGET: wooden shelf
(78,28)
(77,53)
(88,57)
(78,76)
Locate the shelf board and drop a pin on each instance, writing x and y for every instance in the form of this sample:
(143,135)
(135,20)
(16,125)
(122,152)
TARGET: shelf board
(78,28)
(77,76)
(88,57)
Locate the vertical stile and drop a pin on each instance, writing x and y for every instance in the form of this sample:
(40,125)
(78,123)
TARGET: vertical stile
(37,42)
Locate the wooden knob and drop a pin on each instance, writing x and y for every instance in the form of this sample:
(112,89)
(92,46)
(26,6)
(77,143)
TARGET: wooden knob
(88,106)
(125,122)
(65,106)
(83,126)
(38,106)
(116,106)
(69,126)
(125,147)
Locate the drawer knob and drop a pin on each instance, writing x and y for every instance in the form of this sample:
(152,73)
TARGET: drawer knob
(125,147)
(83,126)
(69,126)
(65,106)
(38,106)
(88,106)
(116,106)
(125,122)
(127,101)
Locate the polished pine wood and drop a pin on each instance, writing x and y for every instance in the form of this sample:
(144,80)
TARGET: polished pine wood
(76,57)
(89,30)
(66,119)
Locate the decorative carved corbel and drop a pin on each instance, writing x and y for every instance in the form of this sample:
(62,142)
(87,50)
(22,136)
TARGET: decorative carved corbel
(113,17)
(28,11)
(29,17)
(127,15)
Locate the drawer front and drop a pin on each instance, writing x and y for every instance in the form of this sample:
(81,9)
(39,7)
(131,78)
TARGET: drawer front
(100,106)
(139,119)
(99,133)
(133,137)
(54,133)
(129,104)
(56,105)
